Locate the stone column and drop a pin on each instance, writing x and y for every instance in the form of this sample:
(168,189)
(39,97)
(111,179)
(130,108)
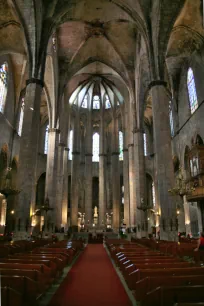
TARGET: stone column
(59,192)
(163,160)
(102,175)
(126,188)
(75,174)
(28,156)
(132,186)
(140,175)
(65,189)
(115,176)
(88,173)
(51,175)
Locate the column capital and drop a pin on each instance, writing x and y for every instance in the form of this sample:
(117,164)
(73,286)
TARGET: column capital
(75,153)
(35,81)
(136,130)
(61,144)
(66,149)
(125,150)
(89,154)
(102,154)
(130,145)
(115,153)
(52,130)
(157,83)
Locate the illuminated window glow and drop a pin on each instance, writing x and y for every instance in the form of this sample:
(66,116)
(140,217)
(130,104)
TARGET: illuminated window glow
(107,102)
(193,100)
(20,126)
(171,119)
(120,145)
(145,144)
(95,151)
(46,140)
(85,102)
(96,102)
(70,144)
(3,85)
(153,195)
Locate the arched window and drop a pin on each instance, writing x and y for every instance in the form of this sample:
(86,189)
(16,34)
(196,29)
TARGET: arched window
(107,102)
(153,195)
(85,102)
(145,144)
(120,145)
(3,85)
(95,151)
(46,140)
(70,144)
(171,118)
(20,125)
(54,42)
(96,102)
(193,100)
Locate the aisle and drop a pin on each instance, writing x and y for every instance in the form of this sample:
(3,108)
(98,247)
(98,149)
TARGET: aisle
(92,281)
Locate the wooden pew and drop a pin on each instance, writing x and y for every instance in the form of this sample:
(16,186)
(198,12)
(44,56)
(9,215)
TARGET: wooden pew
(27,287)
(10,297)
(140,274)
(45,276)
(168,296)
(149,283)
(48,267)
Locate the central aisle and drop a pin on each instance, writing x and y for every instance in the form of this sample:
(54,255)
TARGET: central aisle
(92,281)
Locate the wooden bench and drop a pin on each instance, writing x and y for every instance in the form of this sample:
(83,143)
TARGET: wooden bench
(48,267)
(27,287)
(149,283)
(10,297)
(168,296)
(45,279)
(137,275)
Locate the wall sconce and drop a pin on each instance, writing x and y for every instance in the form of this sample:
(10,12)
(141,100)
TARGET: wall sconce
(12,212)
(147,219)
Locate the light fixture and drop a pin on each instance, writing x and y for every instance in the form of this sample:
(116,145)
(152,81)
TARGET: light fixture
(12,212)
(147,219)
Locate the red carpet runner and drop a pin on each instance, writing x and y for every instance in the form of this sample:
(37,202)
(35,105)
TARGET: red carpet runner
(92,281)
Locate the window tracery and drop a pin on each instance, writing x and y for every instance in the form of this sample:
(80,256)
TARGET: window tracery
(171,118)
(107,102)
(193,100)
(96,102)
(70,144)
(120,145)
(46,140)
(145,144)
(20,126)
(3,85)
(85,102)
(95,150)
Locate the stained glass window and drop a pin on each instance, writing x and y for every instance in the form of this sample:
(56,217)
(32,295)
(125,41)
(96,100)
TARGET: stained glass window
(96,102)
(54,42)
(192,91)
(3,85)
(20,125)
(153,195)
(95,151)
(107,102)
(145,144)
(171,119)
(70,144)
(85,102)
(120,145)
(46,140)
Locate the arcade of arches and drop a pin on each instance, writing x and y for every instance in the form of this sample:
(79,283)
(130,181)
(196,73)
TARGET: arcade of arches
(101,116)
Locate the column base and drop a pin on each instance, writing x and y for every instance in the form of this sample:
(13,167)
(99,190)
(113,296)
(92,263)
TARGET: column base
(21,235)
